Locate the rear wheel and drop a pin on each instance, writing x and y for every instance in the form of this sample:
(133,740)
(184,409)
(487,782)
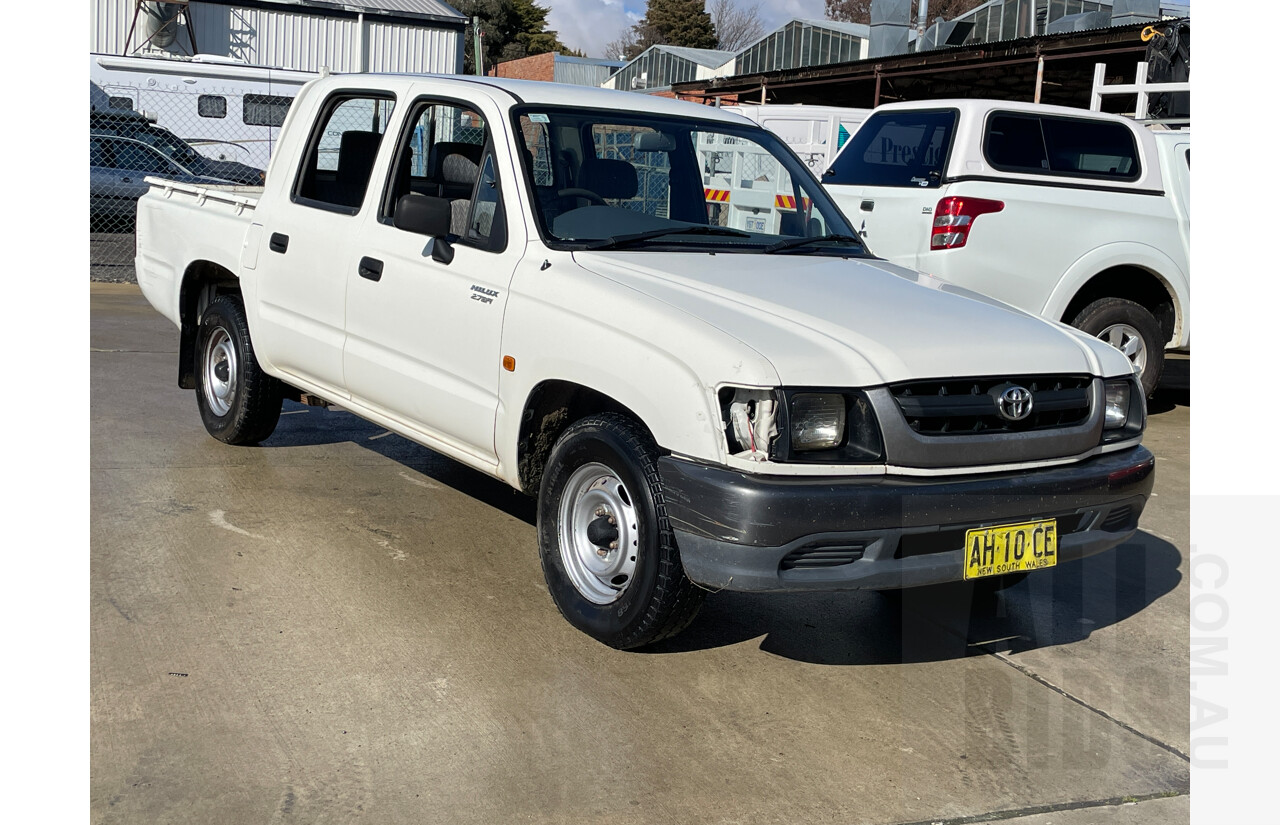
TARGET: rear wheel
(1130,328)
(608,551)
(239,402)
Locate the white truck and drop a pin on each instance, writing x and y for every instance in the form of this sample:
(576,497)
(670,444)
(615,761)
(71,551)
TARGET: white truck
(694,406)
(1079,216)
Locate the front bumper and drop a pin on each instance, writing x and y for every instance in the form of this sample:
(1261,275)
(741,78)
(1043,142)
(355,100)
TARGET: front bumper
(767,533)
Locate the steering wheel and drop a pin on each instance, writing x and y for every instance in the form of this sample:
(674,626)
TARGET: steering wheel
(576,192)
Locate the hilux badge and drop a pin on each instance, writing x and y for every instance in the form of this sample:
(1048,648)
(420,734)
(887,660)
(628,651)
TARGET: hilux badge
(1015,403)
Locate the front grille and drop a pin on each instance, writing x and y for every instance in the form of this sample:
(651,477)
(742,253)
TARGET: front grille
(952,538)
(968,406)
(817,556)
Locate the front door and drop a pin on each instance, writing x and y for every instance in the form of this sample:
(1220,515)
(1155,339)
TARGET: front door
(423,337)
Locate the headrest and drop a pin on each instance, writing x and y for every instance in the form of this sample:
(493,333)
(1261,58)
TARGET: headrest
(612,179)
(460,169)
(356,154)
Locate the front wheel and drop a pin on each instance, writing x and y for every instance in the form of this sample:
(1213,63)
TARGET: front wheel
(239,402)
(608,551)
(1130,328)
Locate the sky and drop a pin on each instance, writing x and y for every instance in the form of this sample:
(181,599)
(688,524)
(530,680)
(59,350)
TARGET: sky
(590,24)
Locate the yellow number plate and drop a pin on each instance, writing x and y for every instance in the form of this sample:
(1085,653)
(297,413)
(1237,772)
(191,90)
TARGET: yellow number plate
(1010,548)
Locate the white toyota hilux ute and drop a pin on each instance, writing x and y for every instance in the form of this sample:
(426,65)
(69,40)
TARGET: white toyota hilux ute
(1079,216)
(527,278)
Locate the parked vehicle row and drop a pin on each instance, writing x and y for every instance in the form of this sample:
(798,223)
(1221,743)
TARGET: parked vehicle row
(125,147)
(527,278)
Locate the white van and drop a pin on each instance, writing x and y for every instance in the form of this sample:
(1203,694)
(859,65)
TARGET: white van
(815,133)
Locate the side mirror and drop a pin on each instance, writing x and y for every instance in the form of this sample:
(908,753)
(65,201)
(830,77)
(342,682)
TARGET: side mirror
(425,215)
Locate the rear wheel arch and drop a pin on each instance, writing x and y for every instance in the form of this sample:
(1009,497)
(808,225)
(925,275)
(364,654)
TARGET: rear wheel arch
(202,282)
(1130,283)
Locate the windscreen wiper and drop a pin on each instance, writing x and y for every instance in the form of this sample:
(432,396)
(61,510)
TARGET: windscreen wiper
(793,243)
(618,241)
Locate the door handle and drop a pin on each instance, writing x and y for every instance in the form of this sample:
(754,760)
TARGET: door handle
(279,243)
(371,268)
(867,206)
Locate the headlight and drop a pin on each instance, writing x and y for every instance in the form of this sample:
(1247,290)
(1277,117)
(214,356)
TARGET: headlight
(1117,404)
(817,421)
(1125,415)
(825,427)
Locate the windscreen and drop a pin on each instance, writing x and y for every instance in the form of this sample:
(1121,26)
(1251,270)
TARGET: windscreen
(602,179)
(896,149)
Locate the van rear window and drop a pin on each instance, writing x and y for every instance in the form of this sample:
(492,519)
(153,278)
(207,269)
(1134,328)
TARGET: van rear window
(1069,146)
(896,149)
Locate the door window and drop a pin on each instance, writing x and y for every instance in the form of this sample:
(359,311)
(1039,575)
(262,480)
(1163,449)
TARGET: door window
(340,156)
(444,153)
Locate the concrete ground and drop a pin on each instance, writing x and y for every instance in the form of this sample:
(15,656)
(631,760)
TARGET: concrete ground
(341,625)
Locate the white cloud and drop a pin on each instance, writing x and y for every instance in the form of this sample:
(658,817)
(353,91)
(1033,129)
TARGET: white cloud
(590,25)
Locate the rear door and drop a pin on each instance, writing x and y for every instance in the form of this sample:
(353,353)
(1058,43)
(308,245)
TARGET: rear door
(888,178)
(310,233)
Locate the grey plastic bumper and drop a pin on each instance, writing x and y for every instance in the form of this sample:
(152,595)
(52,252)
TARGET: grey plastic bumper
(735,530)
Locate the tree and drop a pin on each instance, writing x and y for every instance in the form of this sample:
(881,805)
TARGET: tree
(736,26)
(667,22)
(859,11)
(511,29)
(680,23)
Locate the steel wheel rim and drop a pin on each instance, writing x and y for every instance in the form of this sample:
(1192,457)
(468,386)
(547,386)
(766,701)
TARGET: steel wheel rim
(1129,341)
(599,572)
(221,372)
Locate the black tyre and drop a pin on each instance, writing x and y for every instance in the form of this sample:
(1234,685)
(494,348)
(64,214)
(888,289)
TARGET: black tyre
(608,551)
(1130,328)
(240,404)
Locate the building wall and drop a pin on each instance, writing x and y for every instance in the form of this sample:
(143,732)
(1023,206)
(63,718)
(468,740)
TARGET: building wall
(539,67)
(272,37)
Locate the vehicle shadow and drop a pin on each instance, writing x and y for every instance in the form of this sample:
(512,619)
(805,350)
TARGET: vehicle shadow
(303,426)
(926,624)
(929,624)
(1174,389)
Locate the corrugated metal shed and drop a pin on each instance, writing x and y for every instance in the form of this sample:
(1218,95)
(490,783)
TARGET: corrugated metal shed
(368,35)
(426,9)
(584,71)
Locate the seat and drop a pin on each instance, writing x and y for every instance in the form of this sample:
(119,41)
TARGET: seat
(460,174)
(610,179)
(356,154)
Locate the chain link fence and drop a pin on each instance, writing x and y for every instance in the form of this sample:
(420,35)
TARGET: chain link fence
(214,136)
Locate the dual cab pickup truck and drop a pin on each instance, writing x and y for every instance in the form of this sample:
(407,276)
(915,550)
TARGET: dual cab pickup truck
(527,278)
(1079,216)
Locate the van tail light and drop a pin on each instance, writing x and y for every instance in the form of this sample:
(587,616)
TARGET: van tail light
(954,217)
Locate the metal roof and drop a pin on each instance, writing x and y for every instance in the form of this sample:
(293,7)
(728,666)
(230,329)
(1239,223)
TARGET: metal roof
(423,9)
(711,58)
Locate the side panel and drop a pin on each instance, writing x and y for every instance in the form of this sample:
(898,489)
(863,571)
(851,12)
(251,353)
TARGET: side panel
(1020,254)
(174,232)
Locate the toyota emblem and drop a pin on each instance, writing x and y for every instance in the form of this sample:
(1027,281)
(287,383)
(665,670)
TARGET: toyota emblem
(1015,403)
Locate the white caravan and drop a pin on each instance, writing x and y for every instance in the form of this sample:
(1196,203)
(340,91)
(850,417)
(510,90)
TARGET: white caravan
(227,110)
